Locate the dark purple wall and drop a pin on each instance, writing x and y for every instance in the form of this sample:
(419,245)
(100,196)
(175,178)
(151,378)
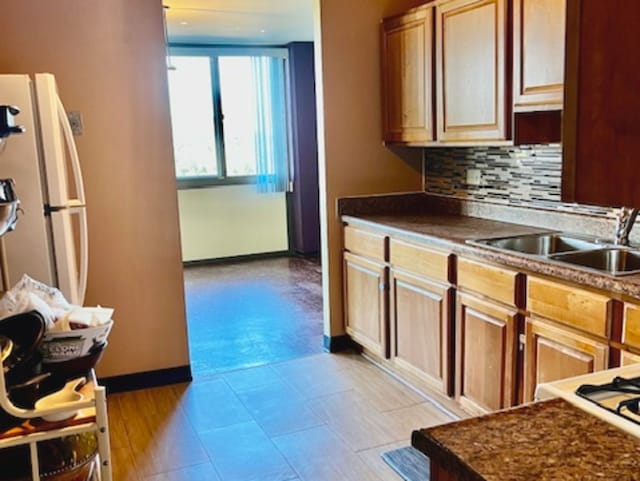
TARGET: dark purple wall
(304,218)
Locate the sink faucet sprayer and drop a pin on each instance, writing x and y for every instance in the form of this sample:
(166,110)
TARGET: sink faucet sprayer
(624,222)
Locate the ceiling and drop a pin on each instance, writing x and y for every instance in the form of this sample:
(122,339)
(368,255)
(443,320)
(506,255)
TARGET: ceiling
(239,22)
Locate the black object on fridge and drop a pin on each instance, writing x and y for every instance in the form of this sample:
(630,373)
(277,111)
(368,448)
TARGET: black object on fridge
(7,121)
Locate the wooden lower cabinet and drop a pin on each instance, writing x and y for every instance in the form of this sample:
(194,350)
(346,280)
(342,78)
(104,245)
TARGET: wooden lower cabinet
(486,352)
(421,328)
(631,326)
(365,297)
(627,358)
(553,352)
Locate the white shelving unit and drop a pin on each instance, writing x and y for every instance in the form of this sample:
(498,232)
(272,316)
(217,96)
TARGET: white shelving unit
(91,417)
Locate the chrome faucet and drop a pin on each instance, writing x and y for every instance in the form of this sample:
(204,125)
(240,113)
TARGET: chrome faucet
(624,222)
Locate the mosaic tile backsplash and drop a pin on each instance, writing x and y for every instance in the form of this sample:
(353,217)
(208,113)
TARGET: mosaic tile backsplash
(522,176)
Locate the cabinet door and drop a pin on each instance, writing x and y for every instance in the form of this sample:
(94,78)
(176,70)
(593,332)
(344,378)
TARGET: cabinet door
(627,358)
(601,120)
(365,299)
(631,326)
(553,353)
(407,67)
(470,70)
(421,328)
(486,350)
(538,48)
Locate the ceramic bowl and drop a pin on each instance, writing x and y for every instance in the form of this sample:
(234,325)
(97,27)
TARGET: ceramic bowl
(67,394)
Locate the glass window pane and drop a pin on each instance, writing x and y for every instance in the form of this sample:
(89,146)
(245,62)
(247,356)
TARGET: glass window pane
(191,102)
(238,98)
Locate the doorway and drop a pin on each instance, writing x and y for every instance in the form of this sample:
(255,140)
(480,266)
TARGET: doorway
(246,166)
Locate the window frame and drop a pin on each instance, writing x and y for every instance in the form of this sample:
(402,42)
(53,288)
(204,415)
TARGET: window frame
(214,52)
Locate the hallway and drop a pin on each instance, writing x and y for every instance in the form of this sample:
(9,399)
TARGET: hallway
(250,313)
(324,417)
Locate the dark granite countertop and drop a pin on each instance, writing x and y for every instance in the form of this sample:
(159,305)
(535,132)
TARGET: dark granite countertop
(453,231)
(544,441)
(456,229)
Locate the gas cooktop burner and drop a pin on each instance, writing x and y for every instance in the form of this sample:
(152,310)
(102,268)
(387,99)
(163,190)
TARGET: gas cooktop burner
(621,396)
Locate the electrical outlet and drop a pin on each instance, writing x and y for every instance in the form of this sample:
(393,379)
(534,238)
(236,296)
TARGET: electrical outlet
(474,177)
(75,120)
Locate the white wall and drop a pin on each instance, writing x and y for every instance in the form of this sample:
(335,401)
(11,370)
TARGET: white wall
(228,221)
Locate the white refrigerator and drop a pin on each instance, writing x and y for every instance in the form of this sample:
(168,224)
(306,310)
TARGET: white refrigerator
(50,242)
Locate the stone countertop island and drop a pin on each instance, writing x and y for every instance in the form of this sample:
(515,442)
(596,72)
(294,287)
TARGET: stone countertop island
(544,441)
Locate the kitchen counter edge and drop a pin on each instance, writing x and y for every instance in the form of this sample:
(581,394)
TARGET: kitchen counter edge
(451,232)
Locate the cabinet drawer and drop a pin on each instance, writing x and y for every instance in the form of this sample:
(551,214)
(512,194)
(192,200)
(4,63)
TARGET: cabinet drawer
(419,260)
(494,282)
(631,326)
(365,243)
(576,307)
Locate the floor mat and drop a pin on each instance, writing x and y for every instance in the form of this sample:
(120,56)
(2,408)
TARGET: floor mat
(409,463)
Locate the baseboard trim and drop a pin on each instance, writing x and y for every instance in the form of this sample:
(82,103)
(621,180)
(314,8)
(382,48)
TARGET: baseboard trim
(227,260)
(314,255)
(338,343)
(143,380)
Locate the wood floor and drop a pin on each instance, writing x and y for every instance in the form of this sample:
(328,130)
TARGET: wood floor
(321,417)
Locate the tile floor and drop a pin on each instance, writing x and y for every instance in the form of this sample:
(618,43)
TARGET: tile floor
(315,418)
(266,403)
(250,313)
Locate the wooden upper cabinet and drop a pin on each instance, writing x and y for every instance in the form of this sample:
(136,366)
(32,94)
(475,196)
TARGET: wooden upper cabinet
(407,66)
(471,71)
(538,54)
(601,121)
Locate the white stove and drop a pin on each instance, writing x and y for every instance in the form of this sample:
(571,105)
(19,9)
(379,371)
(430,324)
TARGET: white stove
(612,395)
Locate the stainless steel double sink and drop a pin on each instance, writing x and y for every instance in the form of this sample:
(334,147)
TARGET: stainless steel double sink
(577,251)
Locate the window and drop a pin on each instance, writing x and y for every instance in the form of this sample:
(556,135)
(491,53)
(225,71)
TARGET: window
(191,104)
(239,102)
(229,117)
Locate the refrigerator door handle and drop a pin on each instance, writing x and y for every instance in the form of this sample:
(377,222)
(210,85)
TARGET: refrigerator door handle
(73,153)
(83,268)
(71,258)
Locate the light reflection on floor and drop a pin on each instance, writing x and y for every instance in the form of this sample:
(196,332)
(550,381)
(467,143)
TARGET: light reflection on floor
(252,313)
